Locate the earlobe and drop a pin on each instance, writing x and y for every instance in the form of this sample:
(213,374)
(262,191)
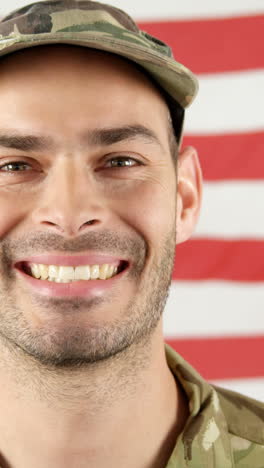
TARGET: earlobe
(189,193)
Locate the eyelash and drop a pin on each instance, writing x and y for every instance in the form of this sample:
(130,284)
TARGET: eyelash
(118,159)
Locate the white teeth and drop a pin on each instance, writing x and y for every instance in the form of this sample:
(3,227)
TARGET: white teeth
(95,272)
(111,270)
(82,273)
(103,272)
(44,271)
(53,271)
(67,274)
(35,270)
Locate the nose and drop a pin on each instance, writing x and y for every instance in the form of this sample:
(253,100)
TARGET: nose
(70,201)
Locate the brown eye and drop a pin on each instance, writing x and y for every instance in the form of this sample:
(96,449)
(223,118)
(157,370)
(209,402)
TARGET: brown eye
(17,166)
(124,161)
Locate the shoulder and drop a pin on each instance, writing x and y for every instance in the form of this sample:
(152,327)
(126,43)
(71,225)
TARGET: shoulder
(245,421)
(224,430)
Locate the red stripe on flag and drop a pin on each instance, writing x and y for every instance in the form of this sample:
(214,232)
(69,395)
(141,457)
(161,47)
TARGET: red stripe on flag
(223,358)
(214,45)
(232,260)
(234,156)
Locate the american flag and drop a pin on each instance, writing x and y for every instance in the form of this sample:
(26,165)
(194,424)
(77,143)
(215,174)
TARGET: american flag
(214,316)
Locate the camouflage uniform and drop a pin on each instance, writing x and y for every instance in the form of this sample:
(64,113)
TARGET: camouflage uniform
(224,429)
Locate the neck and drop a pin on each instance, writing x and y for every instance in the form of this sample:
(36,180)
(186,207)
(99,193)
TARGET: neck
(130,404)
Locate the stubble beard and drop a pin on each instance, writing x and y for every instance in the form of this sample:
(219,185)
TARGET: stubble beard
(75,347)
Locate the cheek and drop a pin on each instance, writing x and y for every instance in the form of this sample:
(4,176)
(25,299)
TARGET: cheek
(151,210)
(9,215)
(13,208)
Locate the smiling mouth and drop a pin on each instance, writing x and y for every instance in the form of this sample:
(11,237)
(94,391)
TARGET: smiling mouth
(70,274)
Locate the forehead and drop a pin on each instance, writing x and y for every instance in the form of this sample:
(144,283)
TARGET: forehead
(76,62)
(80,86)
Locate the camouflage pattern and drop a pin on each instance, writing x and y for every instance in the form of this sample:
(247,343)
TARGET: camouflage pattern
(99,26)
(224,429)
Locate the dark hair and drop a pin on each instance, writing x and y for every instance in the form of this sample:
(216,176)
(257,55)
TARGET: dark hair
(175,123)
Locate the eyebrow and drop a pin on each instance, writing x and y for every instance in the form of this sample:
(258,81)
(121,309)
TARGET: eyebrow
(96,137)
(110,136)
(25,142)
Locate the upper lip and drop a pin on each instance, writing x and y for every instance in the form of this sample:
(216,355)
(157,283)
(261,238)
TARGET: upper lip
(73,260)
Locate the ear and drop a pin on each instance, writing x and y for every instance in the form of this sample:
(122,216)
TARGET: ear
(189,193)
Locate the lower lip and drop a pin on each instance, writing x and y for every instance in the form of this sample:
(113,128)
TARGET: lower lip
(77,288)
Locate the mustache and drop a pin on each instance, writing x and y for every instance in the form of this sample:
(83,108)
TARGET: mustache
(107,241)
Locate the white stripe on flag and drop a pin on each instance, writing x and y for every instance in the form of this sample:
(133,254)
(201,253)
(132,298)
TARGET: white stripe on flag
(254,388)
(213,308)
(227,103)
(232,210)
(169,9)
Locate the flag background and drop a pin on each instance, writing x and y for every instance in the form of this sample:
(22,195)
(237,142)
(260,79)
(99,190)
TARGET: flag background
(215,312)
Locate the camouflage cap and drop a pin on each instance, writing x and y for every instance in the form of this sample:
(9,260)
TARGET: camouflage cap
(99,26)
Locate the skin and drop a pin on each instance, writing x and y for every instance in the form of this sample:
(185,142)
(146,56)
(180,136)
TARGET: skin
(92,384)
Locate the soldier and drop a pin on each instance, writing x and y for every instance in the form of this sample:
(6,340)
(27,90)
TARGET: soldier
(95,192)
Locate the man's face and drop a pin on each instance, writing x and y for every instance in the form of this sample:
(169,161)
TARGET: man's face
(83,191)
